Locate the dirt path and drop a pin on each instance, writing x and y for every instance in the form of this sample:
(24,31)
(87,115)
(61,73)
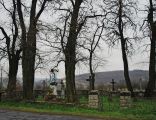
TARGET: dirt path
(16,115)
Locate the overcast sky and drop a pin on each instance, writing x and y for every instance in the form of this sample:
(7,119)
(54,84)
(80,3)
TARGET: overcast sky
(113,57)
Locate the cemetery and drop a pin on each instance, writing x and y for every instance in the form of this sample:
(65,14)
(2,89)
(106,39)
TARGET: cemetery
(113,103)
(95,103)
(77,59)
(140,109)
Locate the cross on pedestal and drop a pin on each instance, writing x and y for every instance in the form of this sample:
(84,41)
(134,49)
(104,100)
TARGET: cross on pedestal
(113,84)
(89,80)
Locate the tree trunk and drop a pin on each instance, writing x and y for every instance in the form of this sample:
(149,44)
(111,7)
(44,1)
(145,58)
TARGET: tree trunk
(28,64)
(70,70)
(126,69)
(70,80)
(152,65)
(123,48)
(29,46)
(92,80)
(13,69)
(11,87)
(70,54)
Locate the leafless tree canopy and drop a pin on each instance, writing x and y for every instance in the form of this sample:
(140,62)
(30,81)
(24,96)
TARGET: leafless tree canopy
(44,33)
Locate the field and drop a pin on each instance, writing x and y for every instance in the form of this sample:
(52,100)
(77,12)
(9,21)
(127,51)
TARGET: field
(141,109)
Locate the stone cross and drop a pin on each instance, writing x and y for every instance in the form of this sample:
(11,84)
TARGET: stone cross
(89,80)
(113,84)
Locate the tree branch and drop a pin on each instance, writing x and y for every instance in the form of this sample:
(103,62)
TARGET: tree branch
(73,4)
(22,24)
(41,10)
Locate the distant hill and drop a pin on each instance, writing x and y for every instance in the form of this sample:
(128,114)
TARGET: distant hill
(100,78)
(118,76)
(104,78)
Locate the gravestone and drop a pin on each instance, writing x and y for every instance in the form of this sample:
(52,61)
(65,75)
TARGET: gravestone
(95,100)
(113,84)
(125,99)
(89,80)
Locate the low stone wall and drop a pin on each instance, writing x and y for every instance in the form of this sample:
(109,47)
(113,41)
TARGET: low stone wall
(125,99)
(94,100)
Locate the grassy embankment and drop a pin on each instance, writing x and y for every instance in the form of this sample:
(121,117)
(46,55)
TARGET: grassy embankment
(140,110)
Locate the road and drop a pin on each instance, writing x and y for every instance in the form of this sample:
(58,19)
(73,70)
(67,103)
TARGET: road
(16,115)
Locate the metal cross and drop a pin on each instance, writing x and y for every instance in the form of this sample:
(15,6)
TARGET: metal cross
(113,84)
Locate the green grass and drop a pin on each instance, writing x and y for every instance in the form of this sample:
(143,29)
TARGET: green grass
(140,110)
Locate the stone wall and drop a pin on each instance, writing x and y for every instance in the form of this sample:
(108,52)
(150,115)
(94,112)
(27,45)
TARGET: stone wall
(93,99)
(125,99)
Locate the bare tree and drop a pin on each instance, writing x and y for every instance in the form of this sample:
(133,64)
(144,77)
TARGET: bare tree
(69,52)
(29,44)
(91,44)
(120,22)
(12,48)
(151,23)
(74,18)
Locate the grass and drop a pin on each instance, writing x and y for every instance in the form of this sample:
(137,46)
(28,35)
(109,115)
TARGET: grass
(140,110)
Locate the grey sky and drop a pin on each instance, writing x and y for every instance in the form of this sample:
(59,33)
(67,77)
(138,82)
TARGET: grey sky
(113,56)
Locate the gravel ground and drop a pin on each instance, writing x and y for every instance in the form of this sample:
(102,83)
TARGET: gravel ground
(16,115)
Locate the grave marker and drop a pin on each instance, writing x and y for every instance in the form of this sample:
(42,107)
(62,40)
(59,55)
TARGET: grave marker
(113,84)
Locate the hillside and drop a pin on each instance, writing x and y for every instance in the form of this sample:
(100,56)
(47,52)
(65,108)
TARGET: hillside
(100,78)
(118,76)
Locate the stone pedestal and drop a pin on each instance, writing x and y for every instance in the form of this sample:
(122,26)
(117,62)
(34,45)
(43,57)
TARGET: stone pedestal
(94,100)
(125,99)
(54,88)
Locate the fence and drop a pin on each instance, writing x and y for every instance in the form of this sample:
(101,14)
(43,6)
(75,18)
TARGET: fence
(110,100)
(80,93)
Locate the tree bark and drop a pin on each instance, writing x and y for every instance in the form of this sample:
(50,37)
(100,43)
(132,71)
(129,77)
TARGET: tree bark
(152,65)
(29,47)
(13,58)
(151,84)
(92,80)
(70,80)
(70,54)
(93,46)
(13,69)
(126,68)
(29,53)
(28,64)
(123,48)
